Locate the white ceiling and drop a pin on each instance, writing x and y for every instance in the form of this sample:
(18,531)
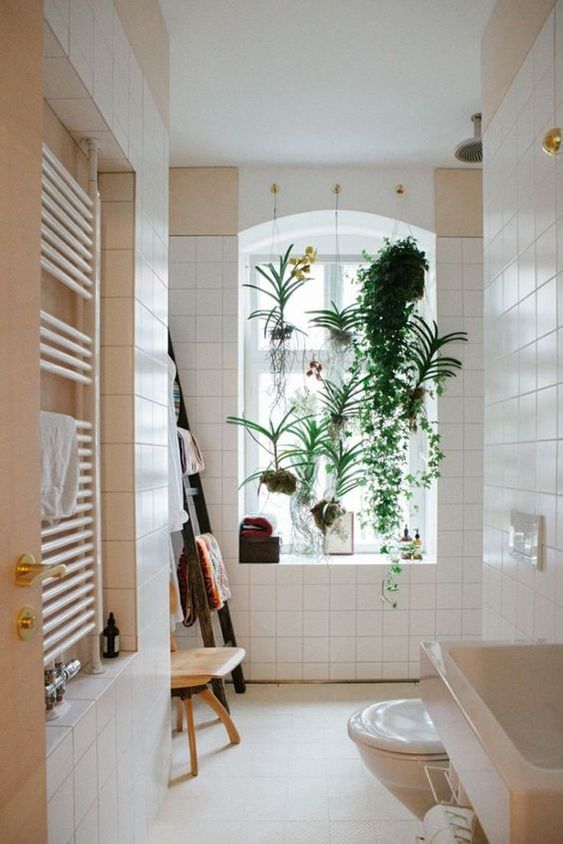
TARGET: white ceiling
(374,82)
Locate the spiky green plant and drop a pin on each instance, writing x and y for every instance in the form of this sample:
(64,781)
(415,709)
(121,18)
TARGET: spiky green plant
(304,460)
(430,365)
(341,403)
(340,323)
(276,477)
(344,465)
(279,286)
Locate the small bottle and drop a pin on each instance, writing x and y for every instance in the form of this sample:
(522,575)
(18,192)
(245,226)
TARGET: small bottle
(406,542)
(111,638)
(417,539)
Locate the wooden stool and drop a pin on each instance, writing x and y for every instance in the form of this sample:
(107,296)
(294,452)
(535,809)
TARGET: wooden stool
(191,671)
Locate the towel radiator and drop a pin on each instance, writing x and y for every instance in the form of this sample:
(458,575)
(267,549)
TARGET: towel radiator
(69,350)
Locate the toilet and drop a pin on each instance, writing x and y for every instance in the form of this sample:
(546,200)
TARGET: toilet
(396,739)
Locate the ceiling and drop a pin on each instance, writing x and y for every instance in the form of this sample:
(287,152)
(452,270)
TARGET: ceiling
(383,83)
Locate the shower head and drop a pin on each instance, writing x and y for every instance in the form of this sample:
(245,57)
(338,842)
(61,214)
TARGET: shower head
(470,151)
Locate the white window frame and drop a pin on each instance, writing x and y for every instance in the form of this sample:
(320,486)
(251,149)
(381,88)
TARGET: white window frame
(256,363)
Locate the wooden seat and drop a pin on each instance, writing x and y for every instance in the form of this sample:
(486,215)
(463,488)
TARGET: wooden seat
(191,671)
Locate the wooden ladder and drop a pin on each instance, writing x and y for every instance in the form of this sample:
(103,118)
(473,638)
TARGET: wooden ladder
(198,522)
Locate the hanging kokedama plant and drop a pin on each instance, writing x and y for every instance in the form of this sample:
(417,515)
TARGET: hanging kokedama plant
(280,285)
(310,436)
(277,477)
(345,471)
(341,324)
(400,356)
(341,405)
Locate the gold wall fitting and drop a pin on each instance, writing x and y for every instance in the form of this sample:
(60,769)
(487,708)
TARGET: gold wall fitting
(337,188)
(275,188)
(400,190)
(26,623)
(28,572)
(552,141)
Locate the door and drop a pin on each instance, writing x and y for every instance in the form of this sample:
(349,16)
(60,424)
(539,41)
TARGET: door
(22,719)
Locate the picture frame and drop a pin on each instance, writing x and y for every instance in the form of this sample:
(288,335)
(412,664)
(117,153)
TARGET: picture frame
(340,538)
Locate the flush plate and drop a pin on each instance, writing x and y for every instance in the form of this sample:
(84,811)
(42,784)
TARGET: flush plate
(525,537)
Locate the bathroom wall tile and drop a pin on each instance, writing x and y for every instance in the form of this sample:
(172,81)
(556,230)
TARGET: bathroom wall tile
(60,813)
(60,763)
(88,831)
(329,602)
(95,58)
(85,783)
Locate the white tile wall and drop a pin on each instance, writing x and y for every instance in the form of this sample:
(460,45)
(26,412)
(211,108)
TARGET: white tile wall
(315,622)
(121,759)
(524,345)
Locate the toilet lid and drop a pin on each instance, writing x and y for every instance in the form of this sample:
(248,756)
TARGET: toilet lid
(398,726)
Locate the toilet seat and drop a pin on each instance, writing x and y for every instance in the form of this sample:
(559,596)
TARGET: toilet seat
(397,726)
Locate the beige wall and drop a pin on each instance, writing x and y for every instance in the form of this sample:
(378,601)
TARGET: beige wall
(511,31)
(203,201)
(145,28)
(22,720)
(59,141)
(459,203)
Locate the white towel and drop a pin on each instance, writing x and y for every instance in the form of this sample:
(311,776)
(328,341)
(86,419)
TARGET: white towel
(176,513)
(59,466)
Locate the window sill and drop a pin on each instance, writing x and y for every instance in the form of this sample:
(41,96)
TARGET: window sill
(360,559)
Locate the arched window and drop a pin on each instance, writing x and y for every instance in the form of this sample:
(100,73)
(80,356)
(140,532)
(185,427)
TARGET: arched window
(333,280)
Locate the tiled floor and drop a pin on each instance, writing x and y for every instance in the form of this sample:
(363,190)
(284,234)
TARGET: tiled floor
(296,778)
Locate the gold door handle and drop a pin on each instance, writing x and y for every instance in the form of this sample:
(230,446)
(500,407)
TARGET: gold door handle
(28,572)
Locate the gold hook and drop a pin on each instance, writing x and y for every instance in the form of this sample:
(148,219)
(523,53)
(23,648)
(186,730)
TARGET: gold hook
(400,190)
(337,188)
(275,188)
(552,141)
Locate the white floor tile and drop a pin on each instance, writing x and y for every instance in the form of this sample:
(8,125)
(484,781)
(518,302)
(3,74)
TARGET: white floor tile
(296,778)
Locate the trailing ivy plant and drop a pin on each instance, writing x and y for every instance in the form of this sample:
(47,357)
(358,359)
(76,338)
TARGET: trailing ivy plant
(280,284)
(390,287)
(401,358)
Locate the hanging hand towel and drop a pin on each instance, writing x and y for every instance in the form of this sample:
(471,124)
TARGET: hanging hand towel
(214,572)
(192,458)
(176,614)
(186,592)
(59,467)
(176,513)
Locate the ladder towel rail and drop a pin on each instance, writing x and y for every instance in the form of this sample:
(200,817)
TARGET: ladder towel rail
(194,502)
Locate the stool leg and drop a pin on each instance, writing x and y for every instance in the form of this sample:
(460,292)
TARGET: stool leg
(222,713)
(179,715)
(191,734)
